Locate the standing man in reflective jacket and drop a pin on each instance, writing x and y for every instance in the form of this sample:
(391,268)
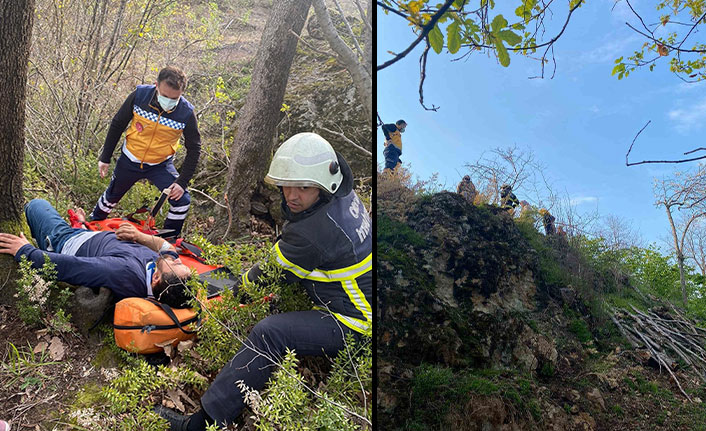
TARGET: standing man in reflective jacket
(157,115)
(326,246)
(393,144)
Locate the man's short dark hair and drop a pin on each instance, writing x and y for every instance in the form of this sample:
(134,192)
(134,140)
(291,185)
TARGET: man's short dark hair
(172,290)
(400,122)
(173,76)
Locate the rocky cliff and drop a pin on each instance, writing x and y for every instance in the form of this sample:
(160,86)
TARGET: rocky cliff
(480,328)
(453,285)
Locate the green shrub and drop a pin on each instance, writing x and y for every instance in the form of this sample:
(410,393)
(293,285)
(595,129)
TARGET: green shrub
(551,273)
(430,381)
(227,324)
(547,370)
(534,409)
(579,328)
(39,299)
(280,406)
(394,233)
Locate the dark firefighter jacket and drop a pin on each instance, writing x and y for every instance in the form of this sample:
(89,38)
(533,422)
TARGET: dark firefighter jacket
(508,201)
(328,249)
(548,221)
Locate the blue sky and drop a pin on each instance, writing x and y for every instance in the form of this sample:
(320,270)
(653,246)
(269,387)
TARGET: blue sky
(578,124)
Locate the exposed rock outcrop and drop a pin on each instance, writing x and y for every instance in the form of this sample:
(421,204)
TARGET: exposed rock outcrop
(454,284)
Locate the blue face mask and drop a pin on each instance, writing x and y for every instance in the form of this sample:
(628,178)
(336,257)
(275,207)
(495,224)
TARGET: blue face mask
(166,103)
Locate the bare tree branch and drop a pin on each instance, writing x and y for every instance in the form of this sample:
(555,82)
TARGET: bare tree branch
(361,76)
(350,30)
(652,37)
(633,142)
(425,31)
(368,153)
(422,77)
(389,9)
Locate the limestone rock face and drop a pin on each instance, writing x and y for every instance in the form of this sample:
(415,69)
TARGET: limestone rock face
(322,99)
(594,395)
(454,281)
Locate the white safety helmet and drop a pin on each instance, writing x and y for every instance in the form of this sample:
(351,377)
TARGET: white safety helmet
(305,160)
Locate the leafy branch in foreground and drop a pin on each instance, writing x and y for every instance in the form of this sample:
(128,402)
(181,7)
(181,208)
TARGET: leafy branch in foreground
(668,38)
(476,29)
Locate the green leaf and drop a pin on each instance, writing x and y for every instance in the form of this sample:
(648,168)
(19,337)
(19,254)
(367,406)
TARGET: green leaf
(454,38)
(503,56)
(498,23)
(617,68)
(436,39)
(458,3)
(524,13)
(508,36)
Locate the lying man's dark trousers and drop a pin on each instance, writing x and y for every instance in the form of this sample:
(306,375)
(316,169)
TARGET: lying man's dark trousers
(310,333)
(392,156)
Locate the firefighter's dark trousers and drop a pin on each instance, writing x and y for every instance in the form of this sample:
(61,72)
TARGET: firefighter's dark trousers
(311,333)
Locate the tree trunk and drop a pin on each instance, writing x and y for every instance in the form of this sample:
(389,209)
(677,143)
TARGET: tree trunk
(15,37)
(368,42)
(362,77)
(680,260)
(680,255)
(252,147)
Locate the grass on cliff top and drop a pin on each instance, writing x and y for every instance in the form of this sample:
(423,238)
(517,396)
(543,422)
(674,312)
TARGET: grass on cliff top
(396,234)
(436,390)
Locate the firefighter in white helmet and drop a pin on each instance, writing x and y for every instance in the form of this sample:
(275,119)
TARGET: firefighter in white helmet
(326,246)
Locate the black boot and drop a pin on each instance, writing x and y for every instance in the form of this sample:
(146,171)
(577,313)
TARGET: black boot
(176,421)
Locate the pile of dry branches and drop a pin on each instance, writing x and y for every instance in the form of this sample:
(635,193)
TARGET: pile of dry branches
(665,336)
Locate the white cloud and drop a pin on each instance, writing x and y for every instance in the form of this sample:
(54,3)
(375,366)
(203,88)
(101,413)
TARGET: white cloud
(614,48)
(688,118)
(620,10)
(583,200)
(689,87)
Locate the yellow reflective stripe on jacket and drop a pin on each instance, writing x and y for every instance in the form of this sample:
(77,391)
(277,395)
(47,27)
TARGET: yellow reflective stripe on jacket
(357,325)
(347,273)
(295,269)
(347,278)
(358,299)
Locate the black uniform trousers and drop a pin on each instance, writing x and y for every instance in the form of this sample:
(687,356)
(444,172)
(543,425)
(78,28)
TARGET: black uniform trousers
(311,333)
